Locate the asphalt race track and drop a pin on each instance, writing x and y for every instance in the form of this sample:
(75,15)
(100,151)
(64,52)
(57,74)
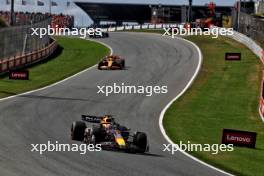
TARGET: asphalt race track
(48,114)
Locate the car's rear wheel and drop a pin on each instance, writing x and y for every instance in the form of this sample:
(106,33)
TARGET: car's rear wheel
(141,142)
(77,130)
(99,66)
(120,63)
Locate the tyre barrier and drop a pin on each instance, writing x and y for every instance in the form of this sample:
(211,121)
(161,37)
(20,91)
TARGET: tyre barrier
(17,62)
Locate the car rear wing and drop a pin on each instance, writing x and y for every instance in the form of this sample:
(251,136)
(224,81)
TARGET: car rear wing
(91,119)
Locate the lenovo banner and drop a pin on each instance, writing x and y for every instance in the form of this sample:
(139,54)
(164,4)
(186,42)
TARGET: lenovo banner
(19,75)
(239,138)
(233,56)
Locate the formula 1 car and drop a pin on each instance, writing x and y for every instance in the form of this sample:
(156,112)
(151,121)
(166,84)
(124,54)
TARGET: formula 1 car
(112,62)
(104,35)
(108,133)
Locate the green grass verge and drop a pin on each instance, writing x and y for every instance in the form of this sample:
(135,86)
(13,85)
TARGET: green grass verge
(224,95)
(77,54)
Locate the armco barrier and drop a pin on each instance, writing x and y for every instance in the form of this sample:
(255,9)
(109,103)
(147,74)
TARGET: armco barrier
(25,60)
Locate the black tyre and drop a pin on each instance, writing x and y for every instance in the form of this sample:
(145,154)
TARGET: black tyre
(141,142)
(99,66)
(77,130)
(123,64)
(120,63)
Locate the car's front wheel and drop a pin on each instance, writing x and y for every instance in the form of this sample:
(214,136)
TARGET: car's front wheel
(141,142)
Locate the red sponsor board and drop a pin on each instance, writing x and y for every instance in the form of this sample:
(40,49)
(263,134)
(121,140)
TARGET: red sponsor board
(233,56)
(239,138)
(20,75)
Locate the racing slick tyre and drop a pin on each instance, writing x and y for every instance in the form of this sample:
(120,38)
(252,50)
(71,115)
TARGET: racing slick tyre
(123,64)
(77,130)
(99,66)
(140,141)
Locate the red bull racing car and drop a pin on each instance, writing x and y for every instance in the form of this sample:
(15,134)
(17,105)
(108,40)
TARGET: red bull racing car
(108,133)
(112,62)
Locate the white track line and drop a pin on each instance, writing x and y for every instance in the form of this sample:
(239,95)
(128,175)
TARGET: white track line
(174,99)
(56,83)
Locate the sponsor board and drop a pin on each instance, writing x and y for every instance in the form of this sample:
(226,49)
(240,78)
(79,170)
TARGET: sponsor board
(239,138)
(19,75)
(233,56)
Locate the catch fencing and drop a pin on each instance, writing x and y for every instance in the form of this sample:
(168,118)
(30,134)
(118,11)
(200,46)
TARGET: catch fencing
(17,40)
(21,61)
(252,27)
(18,48)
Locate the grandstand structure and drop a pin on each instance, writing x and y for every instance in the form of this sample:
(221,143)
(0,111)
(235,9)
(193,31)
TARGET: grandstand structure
(26,18)
(144,13)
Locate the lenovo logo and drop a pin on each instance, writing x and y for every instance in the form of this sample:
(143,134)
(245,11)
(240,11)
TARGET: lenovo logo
(239,138)
(20,75)
(233,56)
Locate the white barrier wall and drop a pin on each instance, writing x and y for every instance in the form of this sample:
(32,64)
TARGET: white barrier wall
(146,26)
(251,44)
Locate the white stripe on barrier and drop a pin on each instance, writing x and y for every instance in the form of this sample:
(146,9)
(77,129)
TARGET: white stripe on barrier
(144,26)
(112,29)
(128,27)
(137,27)
(120,28)
(104,29)
(152,26)
(158,26)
